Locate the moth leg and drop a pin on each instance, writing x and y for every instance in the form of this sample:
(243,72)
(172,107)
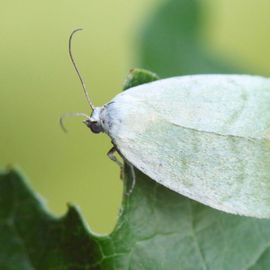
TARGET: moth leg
(133,175)
(111,155)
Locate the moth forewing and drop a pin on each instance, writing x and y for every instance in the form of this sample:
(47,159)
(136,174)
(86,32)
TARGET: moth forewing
(202,136)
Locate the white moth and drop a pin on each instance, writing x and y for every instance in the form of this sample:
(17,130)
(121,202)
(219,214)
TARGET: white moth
(203,136)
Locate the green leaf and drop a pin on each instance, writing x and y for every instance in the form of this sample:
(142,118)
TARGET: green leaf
(31,238)
(138,76)
(157,229)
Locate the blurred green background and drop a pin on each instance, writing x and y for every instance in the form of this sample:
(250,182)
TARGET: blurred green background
(38,84)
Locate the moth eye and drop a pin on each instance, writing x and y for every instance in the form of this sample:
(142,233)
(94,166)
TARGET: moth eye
(95,127)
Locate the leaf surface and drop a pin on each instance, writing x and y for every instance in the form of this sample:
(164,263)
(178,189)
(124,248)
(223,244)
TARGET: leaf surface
(157,229)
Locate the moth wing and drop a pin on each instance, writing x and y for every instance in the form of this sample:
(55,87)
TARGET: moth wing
(225,172)
(181,144)
(226,104)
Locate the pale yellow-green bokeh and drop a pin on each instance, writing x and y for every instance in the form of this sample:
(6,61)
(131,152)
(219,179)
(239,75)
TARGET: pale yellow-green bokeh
(240,30)
(38,84)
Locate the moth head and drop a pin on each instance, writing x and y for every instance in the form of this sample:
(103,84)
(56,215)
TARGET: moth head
(93,122)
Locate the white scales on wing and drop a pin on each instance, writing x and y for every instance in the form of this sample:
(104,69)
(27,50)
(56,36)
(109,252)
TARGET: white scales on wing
(203,136)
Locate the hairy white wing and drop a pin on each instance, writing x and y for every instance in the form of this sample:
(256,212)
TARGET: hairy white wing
(202,136)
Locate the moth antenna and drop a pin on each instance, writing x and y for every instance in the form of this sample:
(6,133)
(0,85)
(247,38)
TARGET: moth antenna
(64,116)
(76,68)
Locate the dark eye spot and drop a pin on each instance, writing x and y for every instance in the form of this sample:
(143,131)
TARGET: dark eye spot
(95,127)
